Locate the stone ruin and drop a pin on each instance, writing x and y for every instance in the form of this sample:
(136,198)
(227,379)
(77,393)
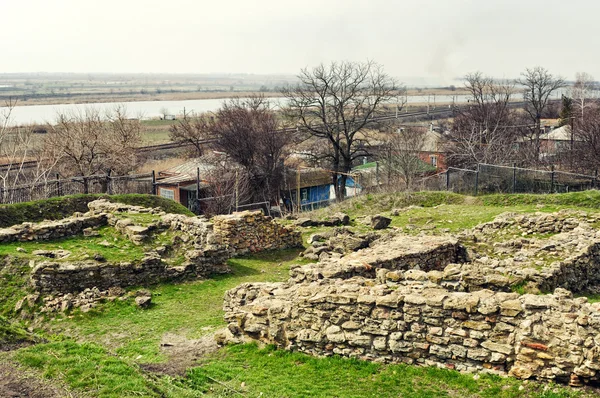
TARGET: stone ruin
(439,301)
(206,245)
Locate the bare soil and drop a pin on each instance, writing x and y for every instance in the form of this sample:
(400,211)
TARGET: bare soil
(183,353)
(18,383)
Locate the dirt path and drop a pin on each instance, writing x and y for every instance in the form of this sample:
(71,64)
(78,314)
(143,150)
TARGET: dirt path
(17,383)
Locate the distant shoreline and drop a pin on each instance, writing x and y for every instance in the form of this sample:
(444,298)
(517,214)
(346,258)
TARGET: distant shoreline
(182,96)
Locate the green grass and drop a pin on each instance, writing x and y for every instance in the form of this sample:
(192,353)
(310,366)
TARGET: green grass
(192,309)
(13,284)
(275,373)
(81,247)
(585,199)
(384,202)
(369,165)
(87,367)
(144,219)
(61,207)
(12,334)
(114,338)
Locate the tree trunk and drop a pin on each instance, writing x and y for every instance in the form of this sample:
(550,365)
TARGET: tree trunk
(341,187)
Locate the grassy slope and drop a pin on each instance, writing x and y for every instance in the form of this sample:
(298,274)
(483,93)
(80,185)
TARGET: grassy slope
(113,340)
(61,207)
(12,334)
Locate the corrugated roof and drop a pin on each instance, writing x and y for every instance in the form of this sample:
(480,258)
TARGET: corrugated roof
(189,168)
(309,177)
(175,180)
(559,134)
(185,172)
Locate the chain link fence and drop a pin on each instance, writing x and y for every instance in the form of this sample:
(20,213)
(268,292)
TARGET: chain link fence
(490,178)
(97,184)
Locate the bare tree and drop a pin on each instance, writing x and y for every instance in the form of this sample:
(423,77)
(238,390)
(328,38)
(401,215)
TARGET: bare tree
(586,155)
(89,143)
(539,84)
(194,130)
(245,129)
(583,92)
(481,132)
(401,155)
(228,185)
(18,145)
(334,104)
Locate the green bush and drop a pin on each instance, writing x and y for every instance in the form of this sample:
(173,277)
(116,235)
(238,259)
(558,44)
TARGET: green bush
(64,206)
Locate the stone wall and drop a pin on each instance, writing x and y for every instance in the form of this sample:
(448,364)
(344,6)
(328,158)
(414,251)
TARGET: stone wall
(207,246)
(552,337)
(399,252)
(251,232)
(423,300)
(510,251)
(50,230)
(69,277)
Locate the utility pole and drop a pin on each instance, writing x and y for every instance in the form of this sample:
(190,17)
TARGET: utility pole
(572,140)
(298,190)
(428,97)
(237,190)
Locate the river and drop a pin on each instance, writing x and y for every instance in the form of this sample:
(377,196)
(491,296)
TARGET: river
(39,114)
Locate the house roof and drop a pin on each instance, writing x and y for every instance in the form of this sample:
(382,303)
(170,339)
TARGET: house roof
(309,177)
(558,134)
(432,142)
(189,168)
(184,173)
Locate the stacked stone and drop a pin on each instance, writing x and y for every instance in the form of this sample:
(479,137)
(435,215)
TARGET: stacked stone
(105,206)
(338,240)
(399,252)
(569,259)
(251,231)
(85,300)
(195,230)
(63,277)
(550,337)
(542,223)
(49,230)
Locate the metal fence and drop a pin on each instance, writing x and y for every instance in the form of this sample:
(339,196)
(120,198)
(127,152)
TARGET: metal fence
(97,184)
(488,178)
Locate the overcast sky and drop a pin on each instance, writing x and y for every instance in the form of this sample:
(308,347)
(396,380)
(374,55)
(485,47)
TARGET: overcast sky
(436,39)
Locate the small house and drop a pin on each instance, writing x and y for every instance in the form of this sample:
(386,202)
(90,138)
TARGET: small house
(182,183)
(315,186)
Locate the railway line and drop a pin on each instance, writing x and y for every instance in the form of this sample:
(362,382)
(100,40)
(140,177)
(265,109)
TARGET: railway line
(175,145)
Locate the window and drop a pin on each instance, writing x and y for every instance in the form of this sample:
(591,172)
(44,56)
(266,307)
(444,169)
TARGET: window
(304,194)
(433,160)
(167,193)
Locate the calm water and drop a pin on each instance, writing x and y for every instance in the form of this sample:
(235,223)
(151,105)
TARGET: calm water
(37,114)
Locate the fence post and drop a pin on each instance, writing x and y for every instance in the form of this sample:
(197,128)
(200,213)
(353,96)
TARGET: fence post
(514,177)
(153,183)
(58,186)
(197,187)
(477,180)
(237,190)
(109,182)
(298,203)
(448,179)
(552,179)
